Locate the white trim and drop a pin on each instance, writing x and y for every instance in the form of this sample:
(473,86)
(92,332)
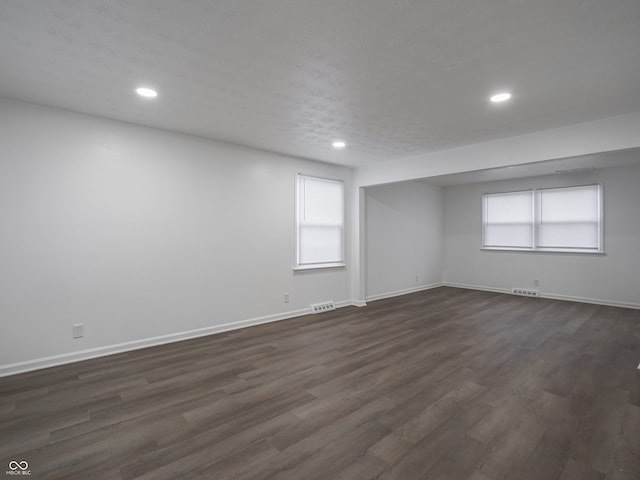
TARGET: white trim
(62,359)
(551,296)
(342,303)
(397,293)
(597,301)
(358,303)
(544,251)
(318,266)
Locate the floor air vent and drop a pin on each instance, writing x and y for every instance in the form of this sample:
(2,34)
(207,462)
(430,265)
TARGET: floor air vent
(525,292)
(323,307)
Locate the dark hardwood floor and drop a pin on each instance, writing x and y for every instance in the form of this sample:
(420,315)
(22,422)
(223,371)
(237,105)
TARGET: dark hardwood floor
(444,384)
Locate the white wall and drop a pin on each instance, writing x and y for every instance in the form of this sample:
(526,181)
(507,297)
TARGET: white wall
(612,278)
(403,238)
(148,236)
(140,233)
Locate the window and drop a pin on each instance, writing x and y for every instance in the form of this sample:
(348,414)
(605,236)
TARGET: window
(569,218)
(563,219)
(508,220)
(319,222)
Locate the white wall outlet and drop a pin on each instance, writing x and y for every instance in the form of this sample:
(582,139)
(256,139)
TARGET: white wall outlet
(417,278)
(78,330)
(286,298)
(536,282)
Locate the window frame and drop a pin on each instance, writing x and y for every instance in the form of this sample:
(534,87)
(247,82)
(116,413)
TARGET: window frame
(297,266)
(536,206)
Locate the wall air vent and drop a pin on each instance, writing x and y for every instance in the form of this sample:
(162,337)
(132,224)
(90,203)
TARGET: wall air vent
(525,292)
(323,307)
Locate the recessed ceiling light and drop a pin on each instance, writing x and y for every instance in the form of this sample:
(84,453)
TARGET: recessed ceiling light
(339,144)
(146,92)
(500,97)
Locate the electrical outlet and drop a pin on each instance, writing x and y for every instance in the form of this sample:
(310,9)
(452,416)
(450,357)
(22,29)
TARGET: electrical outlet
(78,330)
(536,282)
(286,298)
(417,278)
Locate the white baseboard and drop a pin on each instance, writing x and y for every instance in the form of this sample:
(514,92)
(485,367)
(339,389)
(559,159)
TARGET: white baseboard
(597,301)
(52,361)
(342,303)
(397,293)
(552,296)
(46,362)
(358,303)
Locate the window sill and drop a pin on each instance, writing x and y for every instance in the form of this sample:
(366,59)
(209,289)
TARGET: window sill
(307,268)
(555,252)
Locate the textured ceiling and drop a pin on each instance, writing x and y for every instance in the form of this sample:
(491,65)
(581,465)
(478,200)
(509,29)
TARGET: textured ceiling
(393,78)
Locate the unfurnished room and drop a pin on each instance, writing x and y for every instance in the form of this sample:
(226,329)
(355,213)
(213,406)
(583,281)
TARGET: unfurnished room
(297,240)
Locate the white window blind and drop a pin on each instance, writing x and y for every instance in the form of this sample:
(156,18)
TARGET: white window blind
(547,219)
(508,220)
(569,218)
(319,222)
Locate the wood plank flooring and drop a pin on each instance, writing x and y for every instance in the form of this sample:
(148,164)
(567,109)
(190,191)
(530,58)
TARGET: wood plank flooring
(444,384)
